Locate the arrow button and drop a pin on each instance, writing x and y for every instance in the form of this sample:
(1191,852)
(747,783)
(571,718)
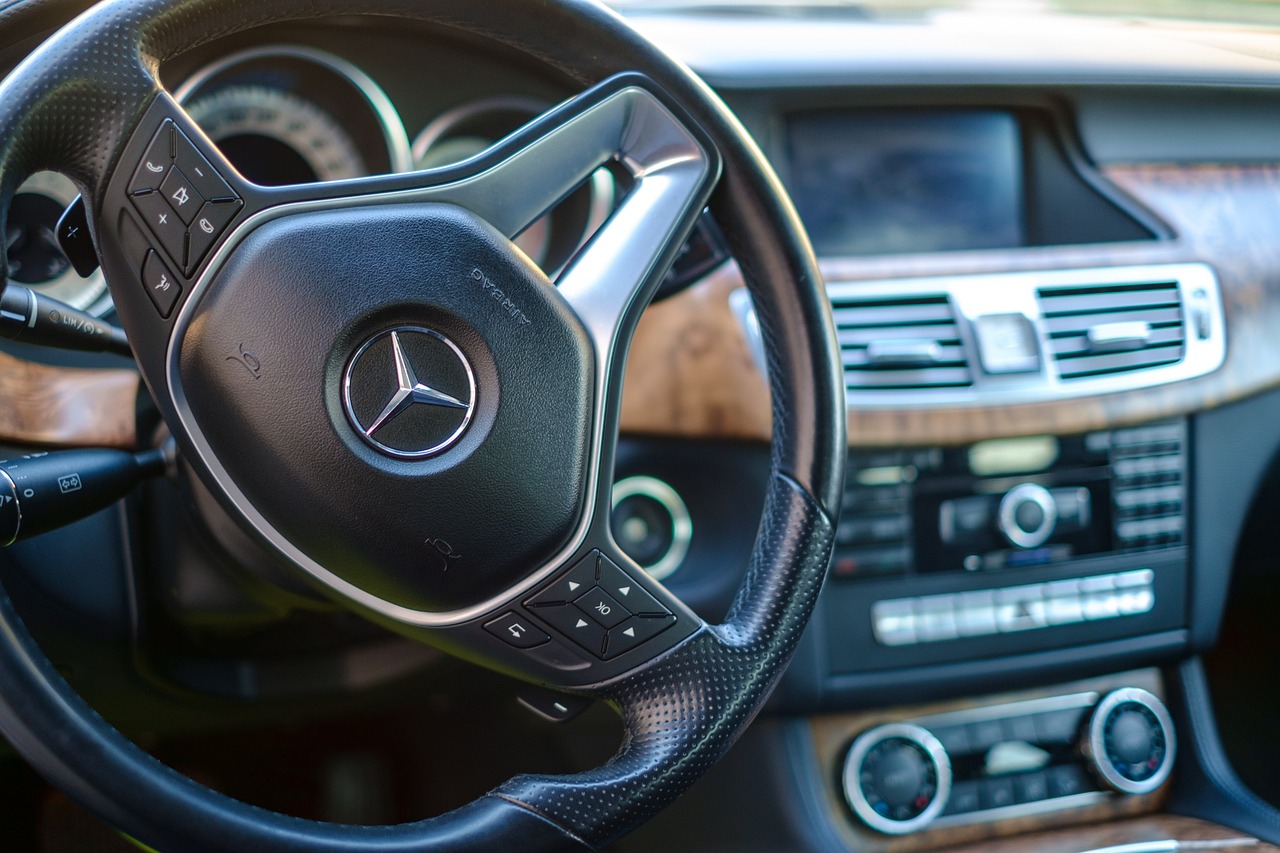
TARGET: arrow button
(575,625)
(635,631)
(568,586)
(623,587)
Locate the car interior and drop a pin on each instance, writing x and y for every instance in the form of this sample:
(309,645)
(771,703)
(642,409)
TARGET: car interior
(669,425)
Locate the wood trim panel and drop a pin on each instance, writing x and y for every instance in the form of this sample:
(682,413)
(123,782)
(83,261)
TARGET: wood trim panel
(690,372)
(831,735)
(1162,827)
(66,407)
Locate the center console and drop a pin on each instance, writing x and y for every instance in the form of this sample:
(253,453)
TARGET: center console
(1007,548)
(1046,555)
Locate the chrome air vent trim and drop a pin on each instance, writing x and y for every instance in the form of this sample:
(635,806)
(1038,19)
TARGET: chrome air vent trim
(1190,321)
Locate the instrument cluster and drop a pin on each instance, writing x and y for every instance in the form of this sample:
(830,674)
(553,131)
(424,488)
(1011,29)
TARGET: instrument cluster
(290,114)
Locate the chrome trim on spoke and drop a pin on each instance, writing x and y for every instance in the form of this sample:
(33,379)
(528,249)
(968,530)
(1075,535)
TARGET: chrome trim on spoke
(601,286)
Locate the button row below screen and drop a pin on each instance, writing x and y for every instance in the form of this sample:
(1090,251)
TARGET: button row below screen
(934,618)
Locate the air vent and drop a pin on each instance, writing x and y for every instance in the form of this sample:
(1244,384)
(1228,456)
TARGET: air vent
(911,342)
(900,343)
(1098,330)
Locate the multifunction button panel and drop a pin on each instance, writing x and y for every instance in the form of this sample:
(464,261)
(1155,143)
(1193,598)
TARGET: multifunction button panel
(596,605)
(186,206)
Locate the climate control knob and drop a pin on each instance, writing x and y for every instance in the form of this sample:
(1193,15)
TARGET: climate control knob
(1028,514)
(897,778)
(1130,741)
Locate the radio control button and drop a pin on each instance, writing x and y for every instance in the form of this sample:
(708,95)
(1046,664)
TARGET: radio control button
(1027,515)
(937,618)
(1020,608)
(894,622)
(1064,610)
(1075,508)
(976,614)
(965,520)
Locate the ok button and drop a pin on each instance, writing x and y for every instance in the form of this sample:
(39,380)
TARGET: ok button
(601,607)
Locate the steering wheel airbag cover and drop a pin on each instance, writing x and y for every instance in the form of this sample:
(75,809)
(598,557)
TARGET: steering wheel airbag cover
(303,293)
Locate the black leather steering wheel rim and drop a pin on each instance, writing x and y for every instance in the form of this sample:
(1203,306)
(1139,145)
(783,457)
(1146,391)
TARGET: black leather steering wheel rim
(73,105)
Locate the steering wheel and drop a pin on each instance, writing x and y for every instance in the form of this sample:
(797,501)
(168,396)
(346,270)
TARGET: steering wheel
(384,391)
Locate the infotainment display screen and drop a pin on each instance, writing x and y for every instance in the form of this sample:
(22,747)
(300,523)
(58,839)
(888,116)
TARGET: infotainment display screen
(878,182)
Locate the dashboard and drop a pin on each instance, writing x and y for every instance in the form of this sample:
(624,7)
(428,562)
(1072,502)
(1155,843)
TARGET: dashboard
(1051,257)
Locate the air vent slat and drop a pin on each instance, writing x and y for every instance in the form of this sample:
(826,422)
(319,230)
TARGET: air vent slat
(943,334)
(1074,345)
(900,344)
(1078,323)
(1153,308)
(1093,365)
(929,377)
(893,314)
(948,356)
(1054,306)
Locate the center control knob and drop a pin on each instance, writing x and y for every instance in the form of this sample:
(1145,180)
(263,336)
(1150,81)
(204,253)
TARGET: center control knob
(1130,741)
(1028,514)
(897,778)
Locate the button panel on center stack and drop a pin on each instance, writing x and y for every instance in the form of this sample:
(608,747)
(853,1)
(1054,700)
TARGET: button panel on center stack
(600,608)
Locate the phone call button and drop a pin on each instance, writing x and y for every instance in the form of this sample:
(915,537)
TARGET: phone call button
(155,163)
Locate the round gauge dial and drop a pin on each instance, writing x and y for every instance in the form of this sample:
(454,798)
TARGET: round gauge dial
(276,138)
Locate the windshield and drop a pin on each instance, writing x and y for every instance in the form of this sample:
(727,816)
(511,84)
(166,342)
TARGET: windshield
(1261,12)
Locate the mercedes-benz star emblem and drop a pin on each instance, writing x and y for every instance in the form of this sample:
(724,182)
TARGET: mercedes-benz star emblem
(393,409)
